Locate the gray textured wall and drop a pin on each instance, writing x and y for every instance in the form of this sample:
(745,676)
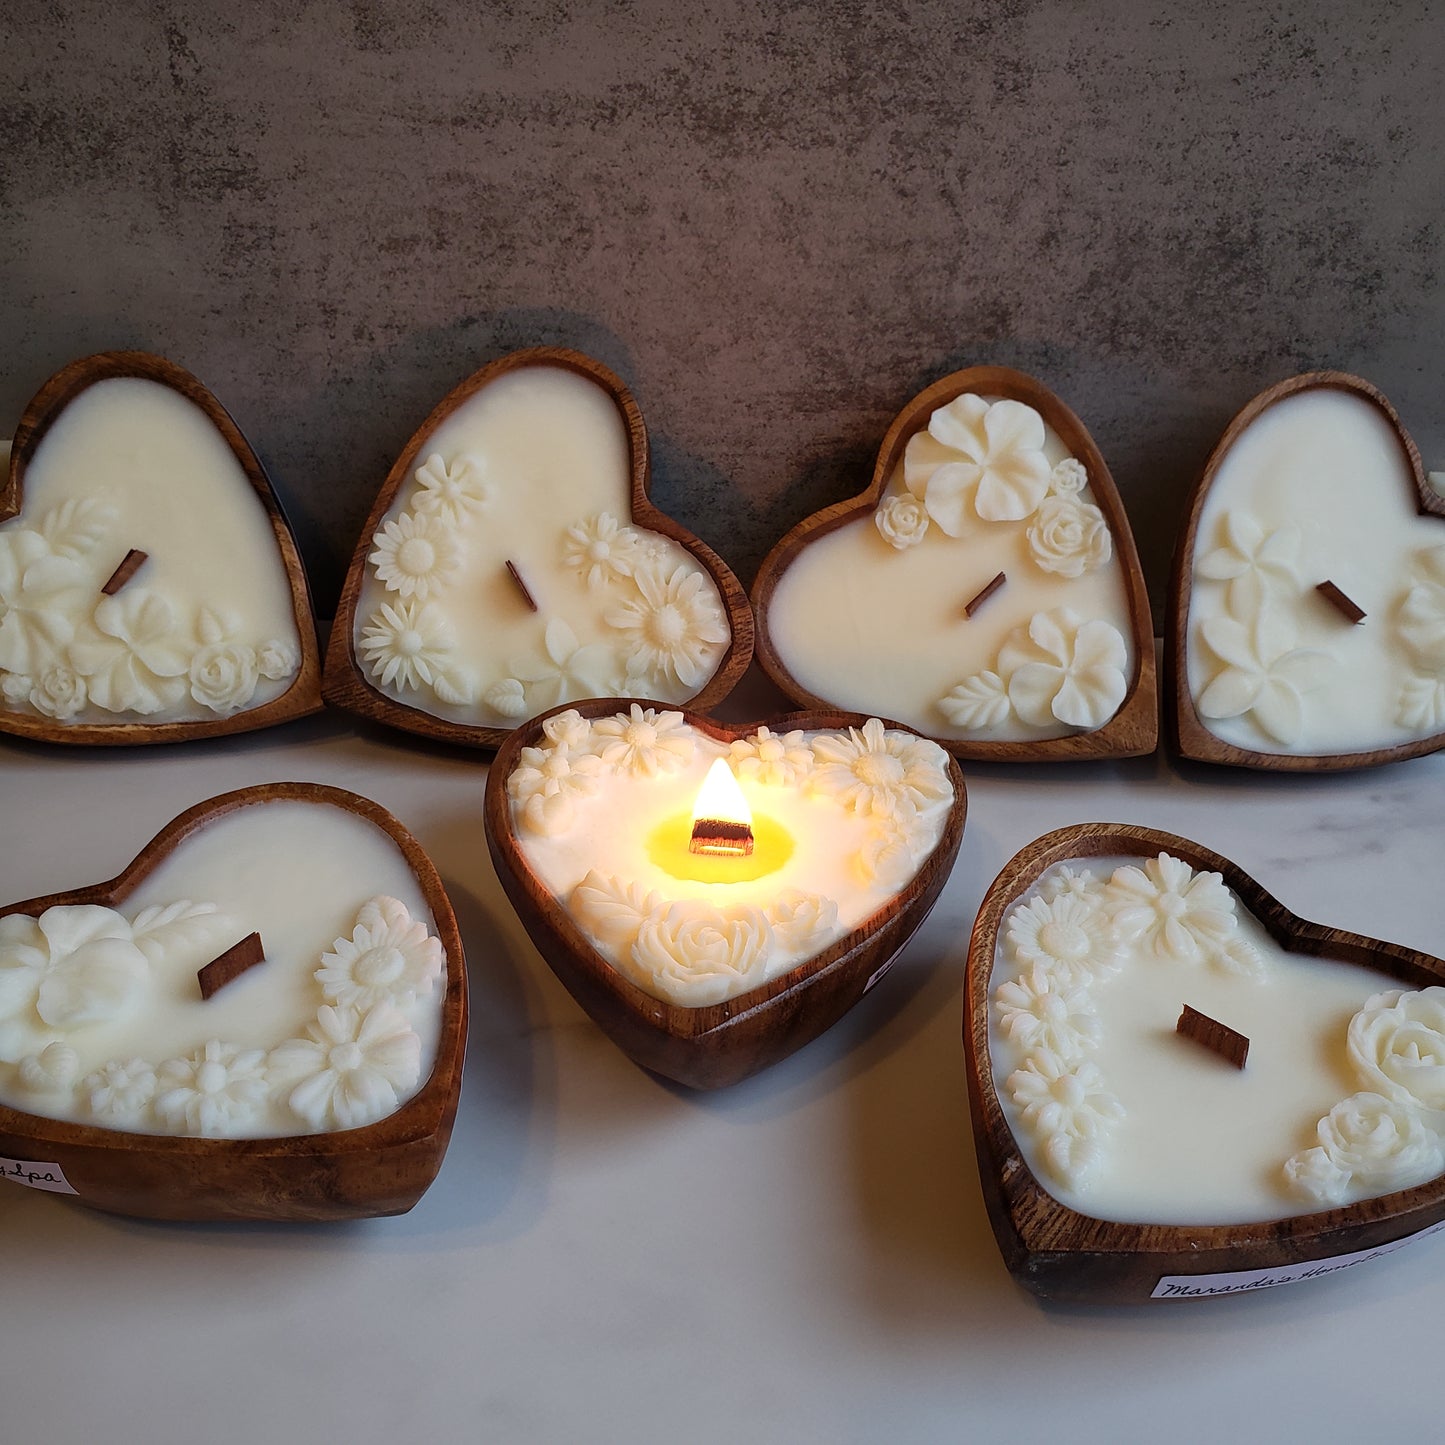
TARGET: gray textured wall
(777,222)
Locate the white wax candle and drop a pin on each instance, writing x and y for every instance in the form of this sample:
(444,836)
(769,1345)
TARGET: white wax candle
(843,821)
(532,470)
(125,1011)
(1122,1118)
(204,629)
(871,616)
(1317,489)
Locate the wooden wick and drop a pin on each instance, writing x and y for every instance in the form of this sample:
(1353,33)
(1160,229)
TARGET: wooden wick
(231,964)
(1350,610)
(983,596)
(721,839)
(521,586)
(130,564)
(1220,1038)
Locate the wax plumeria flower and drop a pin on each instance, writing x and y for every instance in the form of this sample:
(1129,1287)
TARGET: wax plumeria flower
(120,1091)
(1422,703)
(73,966)
(978,702)
(59,692)
(694,954)
(1041,1010)
(600,550)
(1368,1144)
(1069,537)
(902,521)
(1066,882)
(407,644)
(416,555)
(1064,1103)
(774,759)
(1264,677)
(351,1069)
(675,627)
(802,922)
(611,909)
(1421,616)
(546,783)
(1396,1044)
(876,770)
(389,958)
(139,664)
(53,1070)
(980,457)
(451,491)
(39,595)
(643,741)
(77,527)
(217,1090)
(1255,565)
(1061,668)
(1070,938)
(570,670)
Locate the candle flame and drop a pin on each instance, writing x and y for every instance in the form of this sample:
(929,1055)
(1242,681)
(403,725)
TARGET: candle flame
(722,822)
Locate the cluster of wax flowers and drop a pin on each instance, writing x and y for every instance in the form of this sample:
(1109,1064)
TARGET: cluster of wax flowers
(981,461)
(692,952)
(81,965)
(667,632)
(1259,671)
(1391,1134)
(65,645)
(1072,934)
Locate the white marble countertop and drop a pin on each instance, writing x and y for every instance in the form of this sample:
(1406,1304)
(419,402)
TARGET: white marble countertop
(606,1257)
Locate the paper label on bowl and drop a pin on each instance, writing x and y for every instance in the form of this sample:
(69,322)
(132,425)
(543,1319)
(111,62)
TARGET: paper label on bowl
(1196,1286)
(35,1174)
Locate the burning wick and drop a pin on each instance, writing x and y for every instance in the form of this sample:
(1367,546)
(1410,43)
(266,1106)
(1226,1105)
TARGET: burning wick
(722,822)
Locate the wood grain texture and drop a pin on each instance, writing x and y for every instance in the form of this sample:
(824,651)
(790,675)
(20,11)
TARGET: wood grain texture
(1061,1254)
(1133,731)
(717,1045)
(381,1168)
(1186,730)
(304,695)
(346,682)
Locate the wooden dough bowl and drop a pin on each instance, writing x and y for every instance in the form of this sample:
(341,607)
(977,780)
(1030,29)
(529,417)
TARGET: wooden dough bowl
(719,1044)
(1133,731)
(1061,1254)
(381,1168)
(1186,730)
(346,682)
(304,695)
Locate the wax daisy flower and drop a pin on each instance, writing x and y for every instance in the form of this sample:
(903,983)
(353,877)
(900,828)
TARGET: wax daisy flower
(1397,1045)
(774,759)
(1040,1010)
(1264,677)
(1066,1105)
(416,555)
(902,521)
(1175,913)
(546,783)
(1063,669)
(978,702)
(694,954)
(75,965)
(1066,882)
(219,1090)
(1421,616)
(352,1068)
(1257,565)
(600,550)
(451,491)
(39,593)
(1368,1143)
(570,670)
(389,958)
(407,644)
(644,742)
(674,627)
(879,771)
(120,1091)
(1068,938)
(979,456)
(140,665)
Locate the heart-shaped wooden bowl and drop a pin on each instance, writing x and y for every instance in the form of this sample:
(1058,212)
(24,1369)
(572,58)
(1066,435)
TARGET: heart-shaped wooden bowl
(303,695)
(1134,729)
(1059,1253)
(1188,733)
(715,1045)
(377,1169)
(346,683)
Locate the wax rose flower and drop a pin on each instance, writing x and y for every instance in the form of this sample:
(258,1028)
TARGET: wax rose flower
(1397,1044)
(693,954)
(59,692)
(223,676)
(1368,1142)
(902,521)
(277,659)
(1069,537)
(800,921)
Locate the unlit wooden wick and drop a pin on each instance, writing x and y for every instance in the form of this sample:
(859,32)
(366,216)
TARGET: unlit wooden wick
(721,839)
(231,964)
(130,564)
(1220,1038)
(521,586)
(982,597)
(1349,609)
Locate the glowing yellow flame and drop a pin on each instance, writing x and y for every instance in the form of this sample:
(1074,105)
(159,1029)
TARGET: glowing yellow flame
(720,801)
